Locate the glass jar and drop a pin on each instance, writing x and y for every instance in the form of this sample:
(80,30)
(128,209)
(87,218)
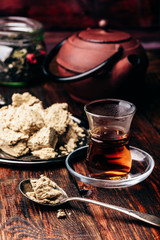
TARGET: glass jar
(22,51)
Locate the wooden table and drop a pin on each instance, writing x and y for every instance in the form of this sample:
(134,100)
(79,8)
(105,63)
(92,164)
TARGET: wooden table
(23,219)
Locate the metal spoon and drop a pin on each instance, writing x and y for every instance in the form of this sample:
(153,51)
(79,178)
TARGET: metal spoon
(25,186)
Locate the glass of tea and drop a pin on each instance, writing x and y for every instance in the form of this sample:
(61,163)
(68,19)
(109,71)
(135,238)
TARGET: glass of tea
(108,155)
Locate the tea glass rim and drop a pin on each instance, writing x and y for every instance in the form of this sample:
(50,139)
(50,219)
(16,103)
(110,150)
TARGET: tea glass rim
(133,108)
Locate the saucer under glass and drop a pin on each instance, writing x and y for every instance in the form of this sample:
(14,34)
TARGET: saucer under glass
(142,166)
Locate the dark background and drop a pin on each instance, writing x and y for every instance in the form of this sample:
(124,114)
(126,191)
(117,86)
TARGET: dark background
(72,14)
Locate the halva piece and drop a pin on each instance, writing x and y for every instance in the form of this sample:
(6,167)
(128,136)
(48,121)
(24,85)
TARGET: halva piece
(46,137)
(16,150)
(44,191)
(26,120)
(57,116)
(25,98)
(13,143)
(45,153)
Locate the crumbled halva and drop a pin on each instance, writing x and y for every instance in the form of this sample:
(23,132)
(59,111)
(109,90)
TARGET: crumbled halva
(57,116)
(27,127)
(46,137)
(26,120)
(45,153)
(11,137)
(19,99)
(61,213)
(44,190)
(17,150)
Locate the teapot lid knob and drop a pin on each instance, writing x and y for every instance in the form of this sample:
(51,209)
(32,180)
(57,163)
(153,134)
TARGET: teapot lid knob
(103,24)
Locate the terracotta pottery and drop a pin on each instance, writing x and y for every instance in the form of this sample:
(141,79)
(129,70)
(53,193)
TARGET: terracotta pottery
(98,63)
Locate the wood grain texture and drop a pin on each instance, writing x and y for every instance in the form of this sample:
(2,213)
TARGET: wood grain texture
(20,219)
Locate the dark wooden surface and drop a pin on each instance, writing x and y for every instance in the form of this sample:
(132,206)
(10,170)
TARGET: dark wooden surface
(22,219)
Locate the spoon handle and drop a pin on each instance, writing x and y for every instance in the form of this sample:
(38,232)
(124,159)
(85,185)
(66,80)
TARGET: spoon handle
(145,217)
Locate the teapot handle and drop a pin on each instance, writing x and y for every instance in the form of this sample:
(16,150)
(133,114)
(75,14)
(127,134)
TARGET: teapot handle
(107,64)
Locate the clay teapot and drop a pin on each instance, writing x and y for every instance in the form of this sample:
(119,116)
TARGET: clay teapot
(98,63)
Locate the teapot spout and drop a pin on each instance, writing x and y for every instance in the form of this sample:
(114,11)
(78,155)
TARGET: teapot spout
(124,68)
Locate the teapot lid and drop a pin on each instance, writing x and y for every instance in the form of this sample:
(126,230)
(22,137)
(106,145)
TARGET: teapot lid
(104,36)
